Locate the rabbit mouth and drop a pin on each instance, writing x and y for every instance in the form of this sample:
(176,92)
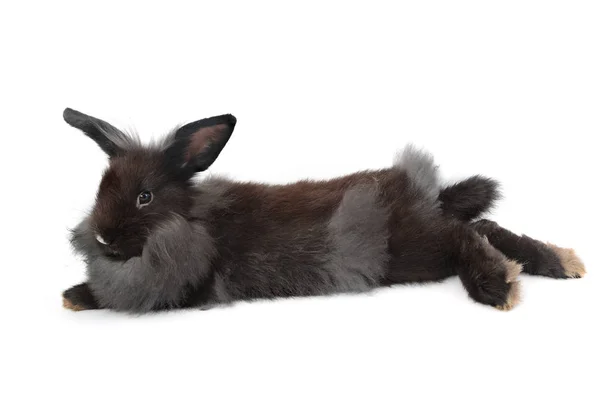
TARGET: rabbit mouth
(113,253)
(110,250)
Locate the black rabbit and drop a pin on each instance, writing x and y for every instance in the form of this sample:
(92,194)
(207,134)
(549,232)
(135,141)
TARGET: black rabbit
(156,239)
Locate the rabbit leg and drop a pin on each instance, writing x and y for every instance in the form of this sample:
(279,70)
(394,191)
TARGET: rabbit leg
(537,258)
(79,298)
(487,275)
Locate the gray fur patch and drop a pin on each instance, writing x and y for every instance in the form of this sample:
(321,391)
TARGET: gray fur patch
(421,170)
(176,255)
(221,296)
(211,195)
(359,235)
(84,242)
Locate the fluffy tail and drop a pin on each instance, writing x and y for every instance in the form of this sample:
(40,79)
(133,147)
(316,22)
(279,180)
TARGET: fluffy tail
(465,200)
(468,199)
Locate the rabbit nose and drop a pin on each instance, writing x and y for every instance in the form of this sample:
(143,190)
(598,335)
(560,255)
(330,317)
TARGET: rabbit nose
(100,239)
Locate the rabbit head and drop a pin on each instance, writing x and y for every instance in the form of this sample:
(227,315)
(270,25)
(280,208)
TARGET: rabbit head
(144,185)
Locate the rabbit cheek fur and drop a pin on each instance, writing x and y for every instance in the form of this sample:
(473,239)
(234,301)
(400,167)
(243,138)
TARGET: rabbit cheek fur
(218,241)
(177,255)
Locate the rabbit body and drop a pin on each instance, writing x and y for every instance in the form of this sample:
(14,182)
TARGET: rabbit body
(184,243)
(244,241)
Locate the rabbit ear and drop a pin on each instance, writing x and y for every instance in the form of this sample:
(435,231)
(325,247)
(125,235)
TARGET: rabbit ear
(198,144)
(109,138)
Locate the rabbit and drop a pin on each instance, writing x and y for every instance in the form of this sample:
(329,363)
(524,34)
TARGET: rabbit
(158,239)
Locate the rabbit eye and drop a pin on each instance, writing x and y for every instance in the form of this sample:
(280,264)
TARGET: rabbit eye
(144,198)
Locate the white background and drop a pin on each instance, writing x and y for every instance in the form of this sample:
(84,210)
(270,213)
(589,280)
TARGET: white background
(509,89)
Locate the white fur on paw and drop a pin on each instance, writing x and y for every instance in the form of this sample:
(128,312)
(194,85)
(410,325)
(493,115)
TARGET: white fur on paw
(571,263)
(70,306)
(514,296)
(513,269)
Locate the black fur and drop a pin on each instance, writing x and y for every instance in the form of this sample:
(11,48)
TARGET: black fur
(202,160)
(220,241)
(82,296)
(537,258)
(101,132)
(469,199)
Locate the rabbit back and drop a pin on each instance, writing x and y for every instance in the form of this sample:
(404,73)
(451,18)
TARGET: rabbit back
(316,237)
